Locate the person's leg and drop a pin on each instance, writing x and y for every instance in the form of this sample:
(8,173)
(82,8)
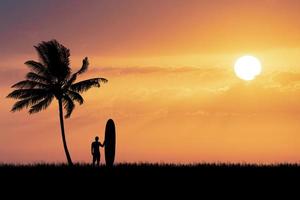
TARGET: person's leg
(94,160)
(98,160)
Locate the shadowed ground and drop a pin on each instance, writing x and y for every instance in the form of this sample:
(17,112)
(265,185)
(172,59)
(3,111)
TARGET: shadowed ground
(150,178)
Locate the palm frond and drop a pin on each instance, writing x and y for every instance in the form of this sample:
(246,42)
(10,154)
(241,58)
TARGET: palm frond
(27,93)
(36,67)
(41,105)
(68,105)
(29,84)
(84,68)
(25,103)
(87,84)
(56,58)
(75,96)
(42,53)
(36,77)
(70,81)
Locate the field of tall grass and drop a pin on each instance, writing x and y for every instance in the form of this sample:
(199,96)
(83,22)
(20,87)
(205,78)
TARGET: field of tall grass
(144,171)
(151,177)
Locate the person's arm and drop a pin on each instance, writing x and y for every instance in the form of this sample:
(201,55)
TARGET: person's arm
(92,149)
(102,145)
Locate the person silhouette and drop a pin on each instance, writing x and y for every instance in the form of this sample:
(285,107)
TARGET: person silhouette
(95,149)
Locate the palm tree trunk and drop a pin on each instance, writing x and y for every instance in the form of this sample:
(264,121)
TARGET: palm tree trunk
(61,118)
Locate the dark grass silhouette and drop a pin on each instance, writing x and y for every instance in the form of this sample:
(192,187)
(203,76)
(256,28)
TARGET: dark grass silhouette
(148,171)
(153,180)
(51,77)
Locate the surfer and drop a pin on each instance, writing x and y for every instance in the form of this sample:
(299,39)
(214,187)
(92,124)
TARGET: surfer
(95,149)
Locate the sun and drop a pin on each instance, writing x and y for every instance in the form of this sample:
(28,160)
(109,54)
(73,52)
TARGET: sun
(247,67)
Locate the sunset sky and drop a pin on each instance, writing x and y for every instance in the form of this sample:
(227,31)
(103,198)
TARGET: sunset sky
(172,91)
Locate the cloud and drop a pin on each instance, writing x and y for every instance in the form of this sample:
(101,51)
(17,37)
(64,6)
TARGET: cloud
(287,78)
(9,76)
(210,74)
(147,70)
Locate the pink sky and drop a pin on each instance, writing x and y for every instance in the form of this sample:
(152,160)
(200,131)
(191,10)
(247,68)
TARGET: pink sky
(172,91)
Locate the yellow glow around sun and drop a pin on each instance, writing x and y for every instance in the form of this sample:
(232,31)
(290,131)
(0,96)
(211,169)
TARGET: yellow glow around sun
(247,67)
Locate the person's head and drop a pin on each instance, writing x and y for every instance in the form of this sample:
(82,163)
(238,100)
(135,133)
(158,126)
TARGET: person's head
(96,138)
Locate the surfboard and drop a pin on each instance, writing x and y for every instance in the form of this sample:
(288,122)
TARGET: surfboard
(110,142)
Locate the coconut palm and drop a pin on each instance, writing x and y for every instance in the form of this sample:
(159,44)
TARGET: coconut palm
(51,78)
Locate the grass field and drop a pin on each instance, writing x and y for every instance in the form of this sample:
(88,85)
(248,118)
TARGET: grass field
(151,177)
(151,171)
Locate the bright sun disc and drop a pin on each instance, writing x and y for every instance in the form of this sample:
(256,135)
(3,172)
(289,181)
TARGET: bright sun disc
(247,67)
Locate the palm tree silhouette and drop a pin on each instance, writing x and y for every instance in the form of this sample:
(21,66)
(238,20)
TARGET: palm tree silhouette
(49,78)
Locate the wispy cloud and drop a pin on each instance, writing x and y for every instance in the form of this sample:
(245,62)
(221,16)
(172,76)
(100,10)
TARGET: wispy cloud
(9,76)
(147,70)
(287,78)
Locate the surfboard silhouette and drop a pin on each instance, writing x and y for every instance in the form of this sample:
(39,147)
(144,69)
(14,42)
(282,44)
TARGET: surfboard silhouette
(110,142)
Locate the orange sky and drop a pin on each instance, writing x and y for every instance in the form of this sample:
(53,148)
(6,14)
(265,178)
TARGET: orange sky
(172,91)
